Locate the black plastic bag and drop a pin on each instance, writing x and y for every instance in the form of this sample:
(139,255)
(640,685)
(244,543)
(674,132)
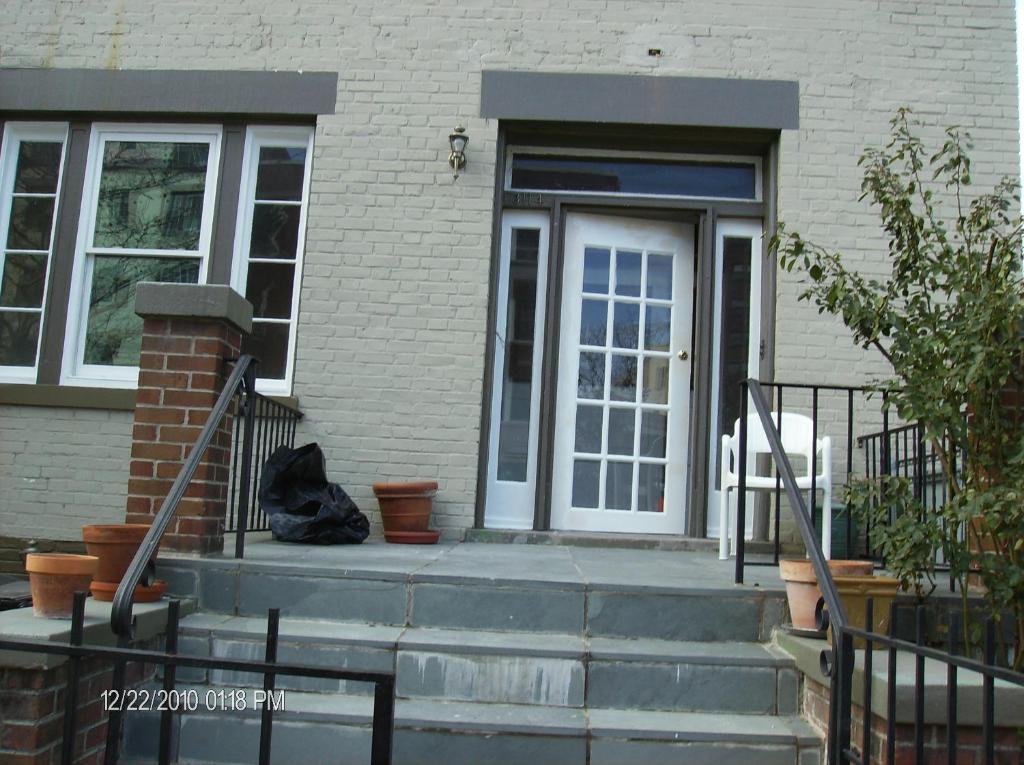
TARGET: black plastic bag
(303,505)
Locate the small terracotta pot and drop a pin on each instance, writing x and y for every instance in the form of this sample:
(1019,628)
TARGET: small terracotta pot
(855,591)
(802,591)
(115,544)
(405,507)
(54,578)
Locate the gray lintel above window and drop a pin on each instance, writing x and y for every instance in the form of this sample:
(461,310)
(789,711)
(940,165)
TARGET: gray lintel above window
(99,91)
(640,99)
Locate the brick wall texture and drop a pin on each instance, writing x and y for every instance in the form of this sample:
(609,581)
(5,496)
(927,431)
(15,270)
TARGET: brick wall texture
(395,286)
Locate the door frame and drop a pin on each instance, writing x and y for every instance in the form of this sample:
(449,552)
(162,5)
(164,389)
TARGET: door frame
(701,212)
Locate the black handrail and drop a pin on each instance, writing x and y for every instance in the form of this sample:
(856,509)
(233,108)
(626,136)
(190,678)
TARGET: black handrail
(241,378)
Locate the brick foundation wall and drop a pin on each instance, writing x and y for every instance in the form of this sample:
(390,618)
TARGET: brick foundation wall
(32,705)
(1009,748)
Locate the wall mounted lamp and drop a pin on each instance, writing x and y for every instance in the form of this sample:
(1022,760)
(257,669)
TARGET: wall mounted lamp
(458,140)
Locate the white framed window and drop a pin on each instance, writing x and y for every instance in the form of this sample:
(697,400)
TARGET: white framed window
(147,215)
(269,244)
(30,181)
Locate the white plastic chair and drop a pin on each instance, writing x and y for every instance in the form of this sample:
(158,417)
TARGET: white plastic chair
(797,432)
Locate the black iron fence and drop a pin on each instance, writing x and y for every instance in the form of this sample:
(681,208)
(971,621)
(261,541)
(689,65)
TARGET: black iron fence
(170,660)
(838,662)
(273,425)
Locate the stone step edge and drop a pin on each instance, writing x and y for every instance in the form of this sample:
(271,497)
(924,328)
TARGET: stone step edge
(458,717)
(313,632)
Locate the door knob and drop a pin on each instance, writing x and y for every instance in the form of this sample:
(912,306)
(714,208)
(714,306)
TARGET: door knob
(683,355)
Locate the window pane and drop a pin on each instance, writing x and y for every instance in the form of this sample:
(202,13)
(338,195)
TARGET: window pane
(590,383)
(620,431)
(653,427)
(657,328)
(31,223)
(729,180)
(269,343)
(651,494)
(269,289)
(586,480)
(656,381)
(627,273)
(38,167)
(594,322)
(23,281)
(19,338)
(618,490)
(151,195)
(113,333)
(623,378)
(588,428)
(517,381)
(595,270)
(735,318)
(280,173)
(659,277)
(626,328)
(275,231)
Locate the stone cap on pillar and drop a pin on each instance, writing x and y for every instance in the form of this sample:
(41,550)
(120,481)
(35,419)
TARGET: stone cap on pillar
(194,301)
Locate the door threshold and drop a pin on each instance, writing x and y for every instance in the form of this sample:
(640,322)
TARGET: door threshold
(670,542)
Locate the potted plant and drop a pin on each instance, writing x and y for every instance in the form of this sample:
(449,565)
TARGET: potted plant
(115,545)
(405,509)
(54,578)
(949,321)
(802,592)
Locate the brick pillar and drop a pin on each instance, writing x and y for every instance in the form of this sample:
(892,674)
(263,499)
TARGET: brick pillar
(189,333)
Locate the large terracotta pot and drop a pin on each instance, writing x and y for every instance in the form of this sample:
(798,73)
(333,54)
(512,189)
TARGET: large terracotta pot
(405,510)
(115,544)
(855,591)
(802,590)
(54,578)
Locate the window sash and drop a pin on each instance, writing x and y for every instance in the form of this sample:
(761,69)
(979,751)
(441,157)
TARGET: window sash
(75,370)
(14,135)
(257,138)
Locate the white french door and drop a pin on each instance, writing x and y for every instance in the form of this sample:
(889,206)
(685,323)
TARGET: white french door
(623,401)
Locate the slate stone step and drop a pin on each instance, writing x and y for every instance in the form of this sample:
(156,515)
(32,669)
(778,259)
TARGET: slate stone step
(513,668)
(335,728)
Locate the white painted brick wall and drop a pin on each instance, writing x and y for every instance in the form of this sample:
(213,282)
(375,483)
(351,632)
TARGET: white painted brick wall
(60,469)
(394,299)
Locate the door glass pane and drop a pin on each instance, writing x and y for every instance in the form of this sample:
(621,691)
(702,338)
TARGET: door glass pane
(619,486)
(620,431)
(659,277)
(655,381)
(653,428)
(275,231)
(588,428)
(594,322)
(657,328)
(151,195)
(269,289)
(626,326)
(269,343)
(519,336)
(113,333)
(627,273)
(280,173)
(623,378)
(615,175)
(19,338)
(595,270)
(31,223)
(591,377)
(38,167)
(651,492)
(24,278)
(586,481)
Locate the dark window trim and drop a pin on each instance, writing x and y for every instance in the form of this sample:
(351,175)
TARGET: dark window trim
(104,92)
(640,99)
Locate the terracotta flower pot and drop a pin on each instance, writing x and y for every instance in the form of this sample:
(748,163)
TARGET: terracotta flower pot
(54,578)
(802,591)
(115,544)
(405,510)
(855,591)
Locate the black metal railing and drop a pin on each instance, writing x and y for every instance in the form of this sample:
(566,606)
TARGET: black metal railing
(169,658)
(273,424)
(838,661)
